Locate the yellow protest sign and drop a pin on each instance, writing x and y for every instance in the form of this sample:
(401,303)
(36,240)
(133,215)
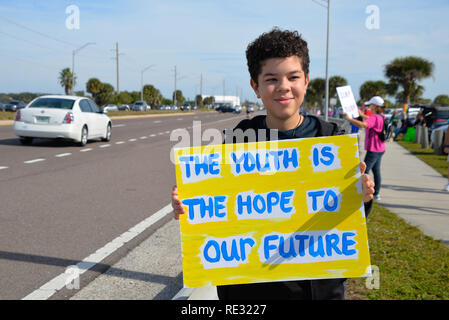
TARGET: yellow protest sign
(272,211)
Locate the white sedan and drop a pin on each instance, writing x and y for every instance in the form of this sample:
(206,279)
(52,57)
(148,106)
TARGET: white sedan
(67,117)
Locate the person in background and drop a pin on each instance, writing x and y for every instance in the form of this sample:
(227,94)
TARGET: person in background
(420,120)
(446,150)
(375,148)
(405,124)
(395,120)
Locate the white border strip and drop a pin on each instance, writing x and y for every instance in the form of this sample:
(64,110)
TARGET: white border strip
(57,283)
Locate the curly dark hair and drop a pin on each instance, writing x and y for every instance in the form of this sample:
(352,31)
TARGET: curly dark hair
(276,44)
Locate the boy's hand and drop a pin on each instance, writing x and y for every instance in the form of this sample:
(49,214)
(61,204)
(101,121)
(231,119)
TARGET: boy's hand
(178,208)
(367,184)
(346,116)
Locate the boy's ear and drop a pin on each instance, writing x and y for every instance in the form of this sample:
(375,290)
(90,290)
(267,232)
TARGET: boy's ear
(255,87)
(307,82)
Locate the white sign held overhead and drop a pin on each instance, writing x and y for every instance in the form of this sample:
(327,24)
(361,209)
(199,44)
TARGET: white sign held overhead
(347,101)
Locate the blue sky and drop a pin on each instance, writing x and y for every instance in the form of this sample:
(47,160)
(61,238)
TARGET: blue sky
(209,37)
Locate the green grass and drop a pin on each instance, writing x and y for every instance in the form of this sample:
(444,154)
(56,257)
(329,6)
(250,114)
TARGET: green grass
(412,266)
(438,162)
(10,115)
(7,115)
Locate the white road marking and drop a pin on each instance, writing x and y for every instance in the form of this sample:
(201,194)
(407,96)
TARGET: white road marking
(152,135)
(157,121)
(120,142)
(161,133)
(105,145)
(63,155)
(3,168)
(57,283)
(118,125)
(86,150)
(167,131)
(144,137)
(34,160)
(132,140)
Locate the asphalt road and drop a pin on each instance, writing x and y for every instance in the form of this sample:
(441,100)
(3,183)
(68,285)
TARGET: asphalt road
(59,203)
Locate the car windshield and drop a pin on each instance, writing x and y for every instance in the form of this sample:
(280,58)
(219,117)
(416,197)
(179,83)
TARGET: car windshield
(139,103)
(14,102)
(53,103)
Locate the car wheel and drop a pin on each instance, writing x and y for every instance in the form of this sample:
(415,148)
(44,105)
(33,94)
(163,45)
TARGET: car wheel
(26,140)
(107,137)
(83,140)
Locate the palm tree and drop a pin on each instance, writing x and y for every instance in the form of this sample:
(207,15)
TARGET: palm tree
(315,92)
(405,72)
(370,89)
(67,80)
(334,82)
(94,86)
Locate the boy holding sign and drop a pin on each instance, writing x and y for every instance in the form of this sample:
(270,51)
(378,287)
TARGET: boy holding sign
(278,63)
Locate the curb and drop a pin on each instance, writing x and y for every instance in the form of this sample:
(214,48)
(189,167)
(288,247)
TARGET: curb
(11,122)
(200,293)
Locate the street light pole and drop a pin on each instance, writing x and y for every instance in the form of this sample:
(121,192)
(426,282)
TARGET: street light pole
(326,98)
(73,62)
(327,62)
(141,80)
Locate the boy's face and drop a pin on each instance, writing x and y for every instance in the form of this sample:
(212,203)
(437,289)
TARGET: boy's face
(282,85)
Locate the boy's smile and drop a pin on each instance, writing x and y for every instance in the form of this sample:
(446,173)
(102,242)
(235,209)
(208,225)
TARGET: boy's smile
(282,85)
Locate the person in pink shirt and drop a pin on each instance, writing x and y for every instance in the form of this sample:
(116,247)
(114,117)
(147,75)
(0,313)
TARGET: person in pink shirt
(375,148)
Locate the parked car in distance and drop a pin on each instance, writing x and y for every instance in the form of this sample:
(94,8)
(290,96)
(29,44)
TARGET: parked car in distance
(249,109)
(109,108)
(140,106)
(123,107)
(68,117)
(185,106)
(225,108)
(15,105)
(237,109)
(2,106)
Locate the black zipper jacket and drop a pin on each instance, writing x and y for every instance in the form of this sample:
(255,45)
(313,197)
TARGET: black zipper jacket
(322,289)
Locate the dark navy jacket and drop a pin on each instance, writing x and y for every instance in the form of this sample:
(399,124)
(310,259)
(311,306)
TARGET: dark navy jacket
(322,289)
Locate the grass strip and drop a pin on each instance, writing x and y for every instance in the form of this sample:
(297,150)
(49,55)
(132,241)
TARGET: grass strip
(412,265)
(438,162)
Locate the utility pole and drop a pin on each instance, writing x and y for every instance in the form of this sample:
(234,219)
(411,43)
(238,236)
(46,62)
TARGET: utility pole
(174,93)
(118,77)
(201,86)
(116,58)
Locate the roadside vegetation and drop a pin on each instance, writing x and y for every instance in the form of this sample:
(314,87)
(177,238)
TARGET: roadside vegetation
(412,265)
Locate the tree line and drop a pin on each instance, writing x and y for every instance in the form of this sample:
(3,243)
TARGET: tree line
(403,75)
(104,93)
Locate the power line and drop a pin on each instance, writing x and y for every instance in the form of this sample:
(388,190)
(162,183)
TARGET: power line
(30,42)
(38,32)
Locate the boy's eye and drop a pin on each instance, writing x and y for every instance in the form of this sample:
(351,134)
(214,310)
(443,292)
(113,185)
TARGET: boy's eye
(270,79)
